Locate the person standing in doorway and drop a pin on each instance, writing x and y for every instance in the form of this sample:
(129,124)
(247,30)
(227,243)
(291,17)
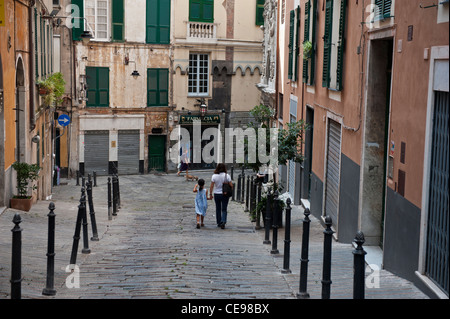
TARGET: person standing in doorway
(219,178)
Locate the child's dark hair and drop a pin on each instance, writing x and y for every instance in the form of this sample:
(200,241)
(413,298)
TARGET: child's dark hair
(201,183)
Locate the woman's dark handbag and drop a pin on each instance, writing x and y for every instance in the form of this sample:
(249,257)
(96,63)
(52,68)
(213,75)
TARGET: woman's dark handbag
(227,190)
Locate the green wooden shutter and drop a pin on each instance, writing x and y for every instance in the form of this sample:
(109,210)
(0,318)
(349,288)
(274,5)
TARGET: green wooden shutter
(91,81)
(384,9)
(312,72)
(164,21)
(327,43)
(76,32)
(158,21)
(297,44)
(157,87)
(201,10)
(152,21)
(306,38)
(260,12)
(152,87)
(341,46)
(291,42)
(117,24)
(36,60)
(103,86)
(163,87)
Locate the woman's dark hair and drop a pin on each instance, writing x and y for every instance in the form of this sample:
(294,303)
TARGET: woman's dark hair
(221,168)
(201,183)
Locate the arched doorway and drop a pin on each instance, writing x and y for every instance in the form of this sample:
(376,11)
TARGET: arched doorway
(20,111)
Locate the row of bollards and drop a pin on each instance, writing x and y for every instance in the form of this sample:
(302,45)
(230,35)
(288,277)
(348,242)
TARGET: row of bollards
(272,221)
(81,226)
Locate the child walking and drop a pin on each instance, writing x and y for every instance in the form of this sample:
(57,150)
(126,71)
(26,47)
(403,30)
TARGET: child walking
(201,203)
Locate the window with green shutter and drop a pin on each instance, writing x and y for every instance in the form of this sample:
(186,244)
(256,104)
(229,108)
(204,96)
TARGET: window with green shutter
(383,9)
(77,24)
(334,39)
(97,79)
(36,59)
(297,44)
(291,43)
(309,34)
(201,10)
(158,21)
(117,20)
(327,43)
(260,12)
(157,87)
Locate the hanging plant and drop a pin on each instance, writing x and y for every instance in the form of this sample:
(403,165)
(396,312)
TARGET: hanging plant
(52,88)
(307,50)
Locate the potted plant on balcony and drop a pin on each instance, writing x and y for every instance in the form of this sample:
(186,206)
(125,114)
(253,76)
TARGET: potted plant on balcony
(26,174)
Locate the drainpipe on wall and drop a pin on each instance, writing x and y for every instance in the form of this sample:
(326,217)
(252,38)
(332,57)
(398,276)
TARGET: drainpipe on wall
(32,81)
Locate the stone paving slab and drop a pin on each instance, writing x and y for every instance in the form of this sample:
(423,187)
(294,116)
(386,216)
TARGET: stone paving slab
(152,250)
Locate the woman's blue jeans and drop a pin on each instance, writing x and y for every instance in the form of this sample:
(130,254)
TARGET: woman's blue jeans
(221,208)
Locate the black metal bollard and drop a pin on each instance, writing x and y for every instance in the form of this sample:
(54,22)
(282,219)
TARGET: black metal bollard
(76,236)
(258,211)
(253,199)
(118,192)
(359,265)
(114,194)
(304,257)
(85,249)
(49,289)
(109,199)
(243,186)
(275,218)
(83,181)
(95,178)
(287,239)
(78,178)
(238,190)
(16,259)
(247,193)
(268,219)
(233,189)
(326,274)
(92,212)
(232,172)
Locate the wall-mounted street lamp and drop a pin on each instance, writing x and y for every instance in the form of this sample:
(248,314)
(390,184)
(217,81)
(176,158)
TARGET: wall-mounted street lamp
(135,74)
(203,106)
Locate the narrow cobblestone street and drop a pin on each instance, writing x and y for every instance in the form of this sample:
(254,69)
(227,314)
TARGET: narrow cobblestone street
(152,249)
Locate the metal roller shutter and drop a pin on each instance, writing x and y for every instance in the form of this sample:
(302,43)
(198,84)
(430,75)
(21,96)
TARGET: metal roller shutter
(333,171)
(128,152)
(96,152)
(292,179)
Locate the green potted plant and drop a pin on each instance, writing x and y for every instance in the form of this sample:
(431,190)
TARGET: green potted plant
(52,88)
(26,174)
(307,50)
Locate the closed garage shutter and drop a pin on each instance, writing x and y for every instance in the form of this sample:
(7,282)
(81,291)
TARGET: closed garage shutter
(96,152)
(292,179)
(333,171)
(128,152)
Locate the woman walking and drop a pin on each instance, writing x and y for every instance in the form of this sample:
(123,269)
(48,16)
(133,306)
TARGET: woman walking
(219,178)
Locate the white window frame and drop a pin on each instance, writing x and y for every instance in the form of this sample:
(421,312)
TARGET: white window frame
(194,88)
(94,24)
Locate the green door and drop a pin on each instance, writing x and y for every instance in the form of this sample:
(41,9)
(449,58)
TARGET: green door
(156,153)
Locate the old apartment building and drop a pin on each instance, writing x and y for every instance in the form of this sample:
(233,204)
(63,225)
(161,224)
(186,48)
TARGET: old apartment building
(371,80)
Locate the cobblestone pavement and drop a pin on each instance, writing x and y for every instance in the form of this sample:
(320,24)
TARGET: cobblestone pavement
(152,249)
